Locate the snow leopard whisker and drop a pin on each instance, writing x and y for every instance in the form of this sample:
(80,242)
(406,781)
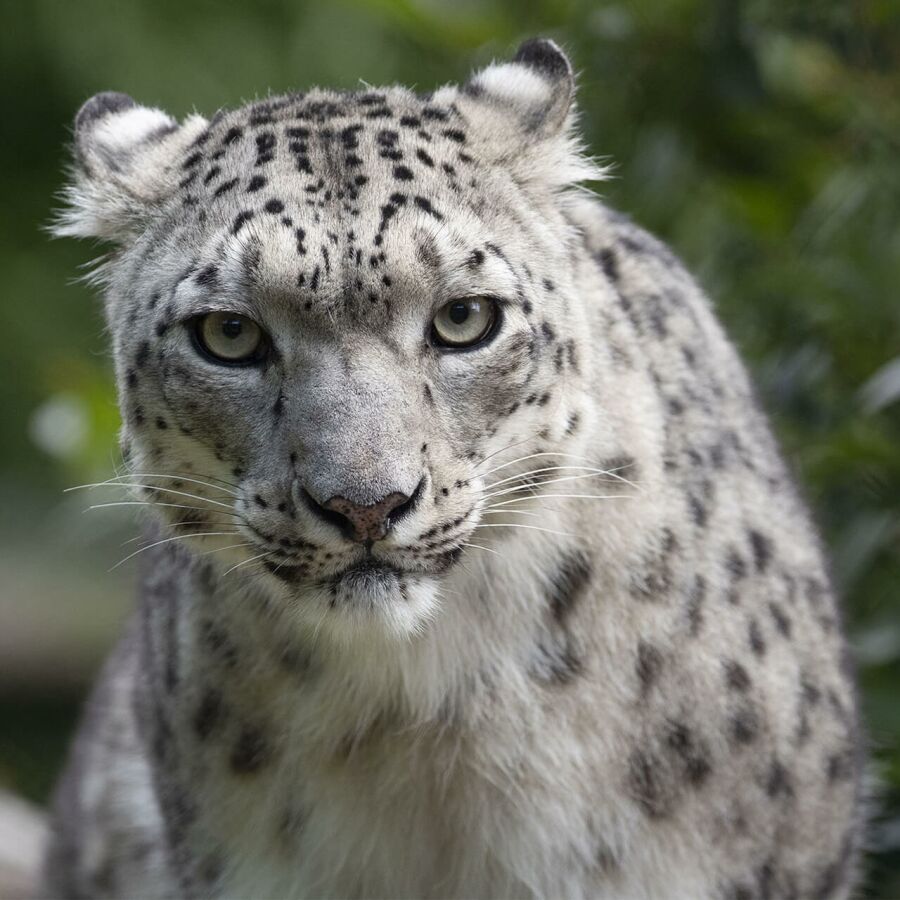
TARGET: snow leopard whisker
(206,475)
(151,487)
(177,525)
(151,503)
(171,477)
(529,527)
(561,497)
(177,537)
(229,547)
(284,562)
(481,547)
(248,561)
(518,459)
(609,471)
(533,485)
(504,449)
(546,470)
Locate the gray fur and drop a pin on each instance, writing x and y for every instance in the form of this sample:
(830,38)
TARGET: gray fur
(642,693)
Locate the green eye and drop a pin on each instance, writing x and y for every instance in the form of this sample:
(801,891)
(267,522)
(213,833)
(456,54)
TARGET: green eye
(230,338)
(464,322)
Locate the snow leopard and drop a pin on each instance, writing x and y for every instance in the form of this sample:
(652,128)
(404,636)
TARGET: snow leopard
(473,567)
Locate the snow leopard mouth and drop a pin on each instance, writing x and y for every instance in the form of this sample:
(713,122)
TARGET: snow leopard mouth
(365,575)
(368,574)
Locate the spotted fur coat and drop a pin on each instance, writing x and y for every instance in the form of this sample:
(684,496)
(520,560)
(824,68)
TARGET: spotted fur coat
(476,571)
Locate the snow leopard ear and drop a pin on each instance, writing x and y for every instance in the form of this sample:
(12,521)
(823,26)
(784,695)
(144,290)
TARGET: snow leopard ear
(536,88)
(124,157)
(522,113)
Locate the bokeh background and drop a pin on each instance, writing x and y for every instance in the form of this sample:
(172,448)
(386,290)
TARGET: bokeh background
(761,138)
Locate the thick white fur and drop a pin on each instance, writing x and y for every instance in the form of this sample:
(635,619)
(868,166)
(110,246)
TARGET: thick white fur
(429,756)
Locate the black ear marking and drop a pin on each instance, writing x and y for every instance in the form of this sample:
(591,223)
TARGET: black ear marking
(101,105)
(544,56)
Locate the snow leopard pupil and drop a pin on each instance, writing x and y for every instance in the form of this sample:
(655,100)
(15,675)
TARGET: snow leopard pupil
(232,328)
(458,313)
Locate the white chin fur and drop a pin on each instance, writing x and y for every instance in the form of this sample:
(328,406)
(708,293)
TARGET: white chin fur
(366,606)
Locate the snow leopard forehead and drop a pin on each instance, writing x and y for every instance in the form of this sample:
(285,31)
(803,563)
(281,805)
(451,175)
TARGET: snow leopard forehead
(348,203)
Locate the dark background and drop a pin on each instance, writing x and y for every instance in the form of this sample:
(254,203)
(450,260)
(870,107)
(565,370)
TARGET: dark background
(759,138)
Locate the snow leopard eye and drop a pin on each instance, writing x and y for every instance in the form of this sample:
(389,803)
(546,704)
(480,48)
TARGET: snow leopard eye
(464,322)
(230,338)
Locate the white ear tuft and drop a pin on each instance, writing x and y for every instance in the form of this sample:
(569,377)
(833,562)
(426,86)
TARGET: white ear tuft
(122,154)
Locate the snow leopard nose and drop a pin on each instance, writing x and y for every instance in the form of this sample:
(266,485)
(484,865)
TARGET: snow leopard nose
(365,524)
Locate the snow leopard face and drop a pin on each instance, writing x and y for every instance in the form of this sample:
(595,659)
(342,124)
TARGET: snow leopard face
(335,315)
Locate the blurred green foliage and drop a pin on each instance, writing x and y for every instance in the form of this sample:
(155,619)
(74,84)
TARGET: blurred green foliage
(760,138)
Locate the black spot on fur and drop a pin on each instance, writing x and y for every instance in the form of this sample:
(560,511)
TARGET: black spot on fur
(225,187)
(695,600)
(569,583)
(208,714)
(232,135)
(691,752)
(559,665)
(250,753)
(754,635)
(735,565)
(240,220)
(762,550)
(609,264)
(649,665)
(736,676)
(192,160)
(646,785)
(699,513)
(778,781)
(782,621)
(744,726)
(274,206)
(207,276)
(425,205)
(265,143)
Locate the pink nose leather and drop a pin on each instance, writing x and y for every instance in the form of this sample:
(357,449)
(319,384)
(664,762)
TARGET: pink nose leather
(370,523)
